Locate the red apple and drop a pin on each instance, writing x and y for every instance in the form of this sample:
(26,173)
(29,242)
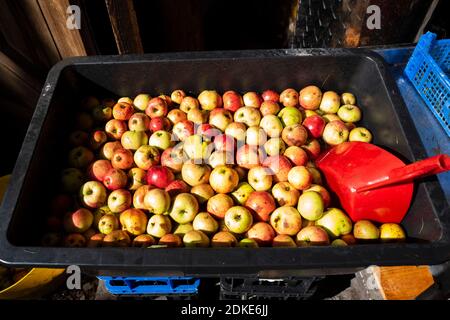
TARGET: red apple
(270,95)
(97,139)
(300,178)
(262,233)
(249,156)
(139,196)
(176,187)
(167,99)
(289,97)
(99,169)
(312,148)
(183,129)
(109,148)
(252,99)
(209,100)
(312,235)
(225,143)
(207,131)
(220,118)
(310,97)
(157,107)
(122,111)
(122,159)
(177,96)
(115,179)
(139,122)
(189,103)
(297,155)
(279,166)
(115,128)
(146,156)
(314,125)
(159,176)
(173,158)
(159,123)
(294,135)
(232,101)
(262,204)
(335,132)
(269,107)
(176,115)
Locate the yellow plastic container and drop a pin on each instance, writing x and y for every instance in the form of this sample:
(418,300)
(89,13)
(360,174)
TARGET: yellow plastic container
(37,281)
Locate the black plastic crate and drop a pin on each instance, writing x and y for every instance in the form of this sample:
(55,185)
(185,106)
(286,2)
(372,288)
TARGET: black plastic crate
(264,289)
(359,71)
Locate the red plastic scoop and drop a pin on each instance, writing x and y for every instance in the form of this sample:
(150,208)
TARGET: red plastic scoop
(372,183)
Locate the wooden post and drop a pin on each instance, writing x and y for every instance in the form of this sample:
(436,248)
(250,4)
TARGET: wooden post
(125,26)
(68,42)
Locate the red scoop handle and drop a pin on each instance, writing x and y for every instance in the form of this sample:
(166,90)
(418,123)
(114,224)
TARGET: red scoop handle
(409,173)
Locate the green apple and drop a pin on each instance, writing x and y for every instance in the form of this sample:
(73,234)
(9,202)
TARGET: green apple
(220,158)
(238,219)
(236,130)
(248,115)
(248,243)
(141,101)
(349,113)
(335,132)
(93,194)
(339,243)
(365,230)
(205,222)
(286,220)
(392,232)
(72,179)
(161,139)
(242,192)
(290,116)
(185,208)
(255,136)
(285,194)
(157,201)
(195,174)
(102,113)
(310,205)
(202,192)
(260,178)
(108,223)
(196,238)
(159,225)
(132,140)
(330,102)
(348,98)
(275,147)
(197,148)
(335,222)
(182,229)
(360,134)
(271,125)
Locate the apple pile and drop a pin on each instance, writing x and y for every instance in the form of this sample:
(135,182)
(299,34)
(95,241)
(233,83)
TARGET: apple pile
(220,171)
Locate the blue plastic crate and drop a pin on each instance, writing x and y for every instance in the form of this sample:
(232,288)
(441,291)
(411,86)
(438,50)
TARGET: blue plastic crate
(151,285)
(428,69)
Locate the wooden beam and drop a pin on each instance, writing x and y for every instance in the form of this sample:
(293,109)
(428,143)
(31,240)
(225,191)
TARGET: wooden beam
(68,41)
(17,83)
(125,26)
